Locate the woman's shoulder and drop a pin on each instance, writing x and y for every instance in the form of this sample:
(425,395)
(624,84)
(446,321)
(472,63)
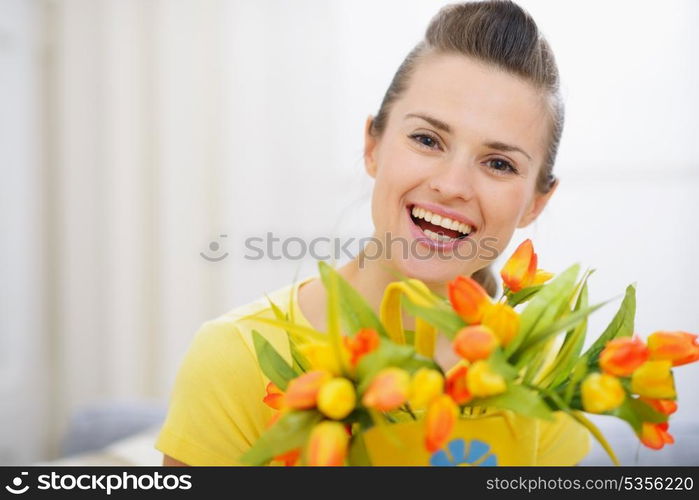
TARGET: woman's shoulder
(230,335)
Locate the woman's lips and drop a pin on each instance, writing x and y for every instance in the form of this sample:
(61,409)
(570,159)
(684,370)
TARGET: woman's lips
(419,235)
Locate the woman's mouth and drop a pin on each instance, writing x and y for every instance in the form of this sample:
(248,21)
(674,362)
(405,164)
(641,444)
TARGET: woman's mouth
(438,228)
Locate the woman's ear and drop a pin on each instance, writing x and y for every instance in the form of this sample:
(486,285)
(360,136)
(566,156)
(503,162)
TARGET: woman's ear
(536,206)
(369,148)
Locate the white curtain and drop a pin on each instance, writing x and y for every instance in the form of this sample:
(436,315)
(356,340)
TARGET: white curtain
(136,133)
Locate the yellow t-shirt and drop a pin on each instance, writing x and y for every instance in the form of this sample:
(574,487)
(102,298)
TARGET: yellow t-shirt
(216,410)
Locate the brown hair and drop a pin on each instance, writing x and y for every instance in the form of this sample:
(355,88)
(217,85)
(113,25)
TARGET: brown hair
(500,33)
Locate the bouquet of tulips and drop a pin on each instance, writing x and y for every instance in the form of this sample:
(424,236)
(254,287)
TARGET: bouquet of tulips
(523,354)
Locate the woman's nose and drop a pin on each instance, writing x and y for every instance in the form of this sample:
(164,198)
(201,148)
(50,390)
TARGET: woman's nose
(454,179)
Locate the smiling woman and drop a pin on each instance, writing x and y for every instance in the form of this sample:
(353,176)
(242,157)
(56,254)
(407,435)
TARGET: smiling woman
(462,152)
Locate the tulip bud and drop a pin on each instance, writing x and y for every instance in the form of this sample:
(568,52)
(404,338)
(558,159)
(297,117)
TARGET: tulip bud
(302,392)
(275,397)
(457,386)
(439,422)
(679,347)
(601,393)
(425,386)
(327,445)
(337,398)
(475,342)
(483,381)
(653,379)
(656,436)
(503,320)
(664,406)
(520,269)
(468,298)
(622,356)
(321,356)
(388,390)
(366,340)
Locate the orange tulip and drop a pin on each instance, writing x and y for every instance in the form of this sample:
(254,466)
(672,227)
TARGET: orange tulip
(439,422)
(653,379)
(622,356)
(327,445)
(457,385)
(656,435)
(665,406)
(302,392)
(290,458)
(364,341)
(388,390)
(520,270)
(679,347)
(503,320)
(275,397)
(468,298)
(475,342)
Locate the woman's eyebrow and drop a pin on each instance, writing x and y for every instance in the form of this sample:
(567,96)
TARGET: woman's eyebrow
(500,146)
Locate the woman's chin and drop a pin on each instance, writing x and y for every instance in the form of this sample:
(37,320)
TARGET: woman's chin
(433,270)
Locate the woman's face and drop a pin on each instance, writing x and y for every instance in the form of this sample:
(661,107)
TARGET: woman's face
(449,148)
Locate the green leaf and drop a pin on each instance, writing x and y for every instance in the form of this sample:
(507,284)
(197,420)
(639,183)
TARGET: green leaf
(301,364)
(572,345)
(622,325)
(273,365)
(523,295)
(446,321)
(291,431)
(499,364)
(569,321)
(355,311)
(519,399)
(541,310)
(635,412)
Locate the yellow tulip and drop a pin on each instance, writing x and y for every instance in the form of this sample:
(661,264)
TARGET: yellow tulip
(425,385)
(321,357)
(503,320)
(541,277)
(327,445)
(601,392)
(388,390)
(336,398)
(653,379)
(482,381)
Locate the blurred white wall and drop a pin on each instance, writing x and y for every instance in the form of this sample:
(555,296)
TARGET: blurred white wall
(135,133)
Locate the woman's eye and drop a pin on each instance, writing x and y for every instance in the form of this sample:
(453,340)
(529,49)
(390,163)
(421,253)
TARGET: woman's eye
(425,140)
(502,166)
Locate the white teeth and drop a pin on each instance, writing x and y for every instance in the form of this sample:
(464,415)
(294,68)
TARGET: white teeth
(440,220)
(437,237)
